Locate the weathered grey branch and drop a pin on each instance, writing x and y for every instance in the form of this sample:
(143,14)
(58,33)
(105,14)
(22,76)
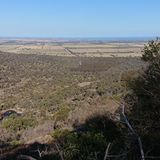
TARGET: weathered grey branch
(20,157)
(116,156)
(59,151)
(107,150)
(134,133)
(95,153)
(41,153)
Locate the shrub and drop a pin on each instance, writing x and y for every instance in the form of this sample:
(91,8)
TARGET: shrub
(89,140)
(145,100)
(18,123)
(62,113)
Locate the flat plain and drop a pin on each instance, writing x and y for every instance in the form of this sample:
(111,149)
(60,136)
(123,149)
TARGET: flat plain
(73,49)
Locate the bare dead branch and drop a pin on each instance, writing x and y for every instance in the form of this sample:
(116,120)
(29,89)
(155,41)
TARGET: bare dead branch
(25,157)
(41,153)
(116,156)
(107,150)
(134,133)
(95,153)
(59,151)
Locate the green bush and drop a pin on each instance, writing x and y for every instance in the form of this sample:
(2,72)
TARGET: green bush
(62,114)
(15,143)
(89,140)
(18,123)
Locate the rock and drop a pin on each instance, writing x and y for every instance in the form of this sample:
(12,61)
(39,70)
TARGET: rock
(7,113)
(83,84)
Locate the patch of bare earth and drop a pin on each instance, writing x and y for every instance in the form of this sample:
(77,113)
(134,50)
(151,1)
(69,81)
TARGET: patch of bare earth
(84,84)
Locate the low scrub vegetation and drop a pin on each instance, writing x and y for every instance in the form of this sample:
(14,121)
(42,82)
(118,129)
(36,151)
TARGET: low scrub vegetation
(15,124)
(74,99)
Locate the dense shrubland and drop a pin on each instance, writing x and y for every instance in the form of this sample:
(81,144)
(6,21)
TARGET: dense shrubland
(57,91)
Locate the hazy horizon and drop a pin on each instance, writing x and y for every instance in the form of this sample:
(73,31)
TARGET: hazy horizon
(123,38)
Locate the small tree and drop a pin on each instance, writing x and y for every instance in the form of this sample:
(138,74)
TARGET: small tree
(145,111)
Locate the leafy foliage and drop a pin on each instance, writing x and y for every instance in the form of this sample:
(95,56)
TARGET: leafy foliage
(17,123)
(89,140)
(145,111)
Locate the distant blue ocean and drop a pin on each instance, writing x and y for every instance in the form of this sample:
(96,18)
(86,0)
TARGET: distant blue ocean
(111,39)
(81,39)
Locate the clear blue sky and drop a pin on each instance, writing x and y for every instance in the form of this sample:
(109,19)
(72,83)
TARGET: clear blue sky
(79,18)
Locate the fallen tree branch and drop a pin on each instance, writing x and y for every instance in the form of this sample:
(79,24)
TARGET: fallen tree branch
(20,157)
(133,132)
(116,156)
(59,151)
(107,150)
